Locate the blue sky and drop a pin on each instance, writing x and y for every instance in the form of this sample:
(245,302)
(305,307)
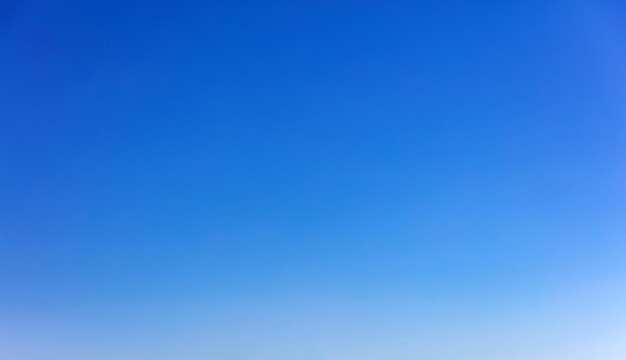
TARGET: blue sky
(316,180)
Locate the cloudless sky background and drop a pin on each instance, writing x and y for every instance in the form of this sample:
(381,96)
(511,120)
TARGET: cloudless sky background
(312,180)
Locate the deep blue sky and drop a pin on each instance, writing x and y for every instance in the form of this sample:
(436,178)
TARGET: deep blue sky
(443,153)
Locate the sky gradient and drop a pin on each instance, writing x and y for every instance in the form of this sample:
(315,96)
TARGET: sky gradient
(312,180)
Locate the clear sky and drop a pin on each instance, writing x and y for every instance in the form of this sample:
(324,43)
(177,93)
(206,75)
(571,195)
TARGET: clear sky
(312,180)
